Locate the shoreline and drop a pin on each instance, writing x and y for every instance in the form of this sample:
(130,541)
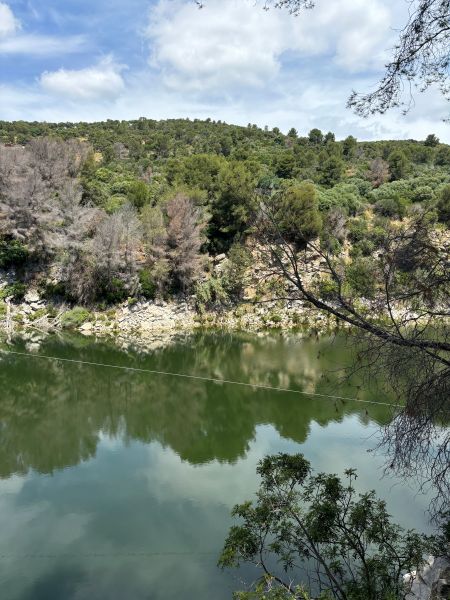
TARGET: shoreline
(146,320)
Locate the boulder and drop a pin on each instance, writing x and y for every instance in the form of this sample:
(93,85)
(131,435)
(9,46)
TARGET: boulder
(32,296)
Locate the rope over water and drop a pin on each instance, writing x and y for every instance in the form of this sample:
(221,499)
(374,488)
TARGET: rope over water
(200,378)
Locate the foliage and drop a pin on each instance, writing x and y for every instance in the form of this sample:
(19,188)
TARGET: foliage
(317,522)
(75,317)
(297,211)
(443,206)
(147,283)
(398,164)
(12,253)
(361,277)
(16,291)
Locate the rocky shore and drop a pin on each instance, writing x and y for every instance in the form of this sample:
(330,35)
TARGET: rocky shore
(147,319)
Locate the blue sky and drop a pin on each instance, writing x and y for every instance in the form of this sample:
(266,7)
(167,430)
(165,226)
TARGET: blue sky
(68,60)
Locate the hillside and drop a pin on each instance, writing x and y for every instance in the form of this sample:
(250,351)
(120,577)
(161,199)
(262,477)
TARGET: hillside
(97,213)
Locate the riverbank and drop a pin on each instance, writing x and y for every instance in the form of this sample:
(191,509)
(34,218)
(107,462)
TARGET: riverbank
(146,319)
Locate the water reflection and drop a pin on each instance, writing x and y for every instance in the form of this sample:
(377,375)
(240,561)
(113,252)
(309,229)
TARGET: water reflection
(117,484)
(70,405)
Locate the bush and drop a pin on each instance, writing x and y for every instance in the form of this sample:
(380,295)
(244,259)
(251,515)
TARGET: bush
(316,522)
(357,230)
(361,277)
(112,291)
(16,291)
(41,312)
(210,293)
(75,317)
(298,217)
(443,206)
(327,289)
(240,260)
(394,207)
(52,290)
(12,253)
(148,285)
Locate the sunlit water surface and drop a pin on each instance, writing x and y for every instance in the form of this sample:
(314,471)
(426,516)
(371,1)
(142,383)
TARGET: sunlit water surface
(119,484)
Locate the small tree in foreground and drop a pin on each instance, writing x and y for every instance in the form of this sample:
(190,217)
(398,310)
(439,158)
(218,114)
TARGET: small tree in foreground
(317,530)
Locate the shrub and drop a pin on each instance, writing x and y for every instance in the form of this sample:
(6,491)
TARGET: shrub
(2,310)
(41,312)
(15,290)
(210,293)
(443,206)
(298,217)
(75,317)
(391,207)
(12,253)
(112,291)
(274,318)
(361,277)
(327,289)
(52,290)
(316,522)
(148,285)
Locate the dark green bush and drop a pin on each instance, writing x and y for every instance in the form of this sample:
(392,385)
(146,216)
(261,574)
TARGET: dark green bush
(394,207)
(148,285)
(75,317)
(12,253)
(113,291)
(15,290)
(361,277)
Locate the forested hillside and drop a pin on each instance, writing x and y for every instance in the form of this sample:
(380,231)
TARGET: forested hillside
(98,213)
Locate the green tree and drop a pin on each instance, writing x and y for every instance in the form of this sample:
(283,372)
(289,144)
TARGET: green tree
(233,205)
(285,165)
(443,156)
(137,193)
(398,164)
(298,215)
(349,146)
(330,171)
(431,140)
(443,206)
(319,523)
(315,136)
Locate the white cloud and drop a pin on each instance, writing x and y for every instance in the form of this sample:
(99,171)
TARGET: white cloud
(102,81)
(14,42)
(231,44)
(8,23)
(42,45)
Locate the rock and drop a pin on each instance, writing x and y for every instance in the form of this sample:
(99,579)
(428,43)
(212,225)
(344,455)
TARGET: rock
(432,582)
(87,327)
(31,296)
(219,258)
(37,305)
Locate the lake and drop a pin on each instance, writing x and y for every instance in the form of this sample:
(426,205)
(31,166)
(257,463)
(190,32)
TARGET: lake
(118,484)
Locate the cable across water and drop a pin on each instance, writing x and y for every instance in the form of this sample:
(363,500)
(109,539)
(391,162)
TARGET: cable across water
(200,378)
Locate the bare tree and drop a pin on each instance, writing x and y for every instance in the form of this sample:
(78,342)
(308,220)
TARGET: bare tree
(378,172)
(420,60)
(155,241)
(293,6)
(39,192)
(184,240)
(111,254)
(403,328)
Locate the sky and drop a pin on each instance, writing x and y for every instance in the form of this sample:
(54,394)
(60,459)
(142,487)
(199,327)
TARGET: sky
(88,60)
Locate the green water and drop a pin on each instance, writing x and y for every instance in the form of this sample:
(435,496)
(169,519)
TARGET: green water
(118,484)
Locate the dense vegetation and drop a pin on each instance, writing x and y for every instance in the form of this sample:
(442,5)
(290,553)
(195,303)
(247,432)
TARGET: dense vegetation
(100,212)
